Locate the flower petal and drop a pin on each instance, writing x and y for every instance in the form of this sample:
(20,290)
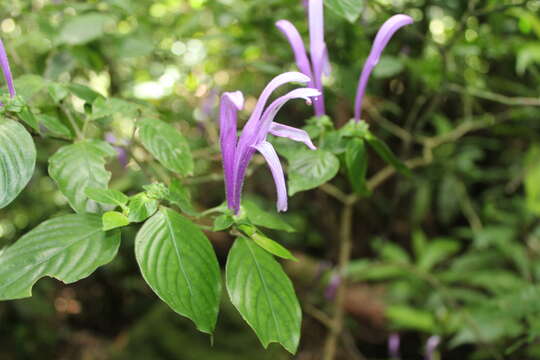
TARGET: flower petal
(292,133)
(269,153)
(317,49)
(272,110)
(297,45)
(4,63)
(384,35)
(231,102)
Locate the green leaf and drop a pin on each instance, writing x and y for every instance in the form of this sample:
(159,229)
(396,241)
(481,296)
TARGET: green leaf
(411,318)
(178,262)
(83,28)
(17,160)
(436,251)
(106,196)
(113,219)
(167,145)
(141,207)
(68,248)
(386,154)
(29,118)
(263,218)
(223,222)
(356,161)
(83,92)
(179,195)
(78,166)
(309,169)
(28,85)
(532,179)
(272,247)
(263,294)
(347,9)
(54,126)
(57,91)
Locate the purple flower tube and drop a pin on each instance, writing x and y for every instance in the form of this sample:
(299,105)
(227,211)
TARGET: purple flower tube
(4,64)
(238,151)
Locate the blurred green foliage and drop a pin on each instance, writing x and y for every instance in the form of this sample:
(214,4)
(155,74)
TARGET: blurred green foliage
(451,251)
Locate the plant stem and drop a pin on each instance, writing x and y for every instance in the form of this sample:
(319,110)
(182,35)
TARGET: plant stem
(345,246)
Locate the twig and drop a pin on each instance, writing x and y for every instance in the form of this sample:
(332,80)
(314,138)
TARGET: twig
(345,246)
(503,99)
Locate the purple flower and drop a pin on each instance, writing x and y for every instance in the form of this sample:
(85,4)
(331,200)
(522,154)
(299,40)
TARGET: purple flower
(431,345)
(331,288)
(393,345)
(318,63)
(238,151)
(4,63)
(122,154)
(381,40)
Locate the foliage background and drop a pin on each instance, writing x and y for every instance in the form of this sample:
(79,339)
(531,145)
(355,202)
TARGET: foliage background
(452,251)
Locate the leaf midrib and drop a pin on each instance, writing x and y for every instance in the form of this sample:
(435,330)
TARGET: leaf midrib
(265,290)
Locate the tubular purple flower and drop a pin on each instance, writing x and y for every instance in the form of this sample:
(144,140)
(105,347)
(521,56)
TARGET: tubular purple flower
(4,63)
(238,151)
(384,35)
(431,345)
(318,65)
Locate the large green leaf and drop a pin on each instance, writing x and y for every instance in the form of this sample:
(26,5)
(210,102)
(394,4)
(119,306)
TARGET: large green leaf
(78,166)
(309,169)
(348,9)
(17,160)
(263,294)
(83,28)
(68,248)
(167,145)
(179,264)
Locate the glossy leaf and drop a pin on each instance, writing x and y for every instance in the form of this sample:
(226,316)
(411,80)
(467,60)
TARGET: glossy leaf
(141,207)
(272,246)
(386,154)
(263,294)
(356,161)
(78,166)
(178,262)
(114,219)
(17,160)
(347,9)
(68,248)
(167,145)
(309,169)
(264,218)
(106,196)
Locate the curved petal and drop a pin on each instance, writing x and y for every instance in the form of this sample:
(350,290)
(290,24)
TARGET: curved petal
(317,49)
(292,133)
(231,103)
(272,110)
(4,63)
(276,82)
(297,45)
(267,150)
(381,40)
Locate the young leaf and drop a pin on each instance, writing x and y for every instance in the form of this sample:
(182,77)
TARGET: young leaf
(178,262)
(17,160)
(263,294)
(309,169)
(223,222)
(180,196)
(68,248)
(167,145)
(106,196)
(348,9)
(263,218)
(78,166)
(113,219)
(386,154)
(356,161)
(141,207)
(272,247)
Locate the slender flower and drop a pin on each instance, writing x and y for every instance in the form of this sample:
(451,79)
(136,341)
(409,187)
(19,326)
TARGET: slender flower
(317,63)
(393,346)
(431,345)
(238,151)
(4,64)
(384,35)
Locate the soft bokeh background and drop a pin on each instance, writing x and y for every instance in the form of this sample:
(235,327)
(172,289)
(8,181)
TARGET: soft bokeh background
(450,254)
